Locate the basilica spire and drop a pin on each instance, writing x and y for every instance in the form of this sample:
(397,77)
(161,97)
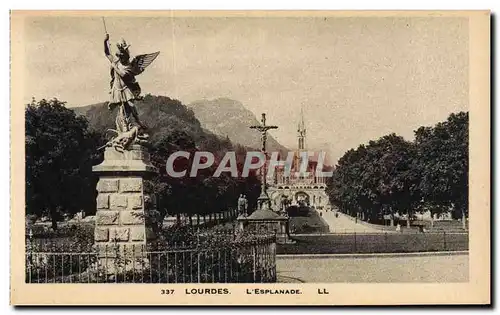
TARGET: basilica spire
(301,131)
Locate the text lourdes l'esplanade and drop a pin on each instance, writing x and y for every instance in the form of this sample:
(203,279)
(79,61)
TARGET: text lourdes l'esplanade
(248,291)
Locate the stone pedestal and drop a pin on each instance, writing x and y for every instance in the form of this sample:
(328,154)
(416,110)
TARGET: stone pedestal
(124,200)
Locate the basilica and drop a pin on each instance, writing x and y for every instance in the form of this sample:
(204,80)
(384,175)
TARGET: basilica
(300,189)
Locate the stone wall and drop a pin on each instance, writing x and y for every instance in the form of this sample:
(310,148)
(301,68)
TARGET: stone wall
(120,212)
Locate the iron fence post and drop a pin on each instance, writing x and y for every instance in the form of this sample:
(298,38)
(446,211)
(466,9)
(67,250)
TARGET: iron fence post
(385,241)
(115,261)
(29,254)
(444,239)
(254,255)
(54,263)
(198,265)
(355,245)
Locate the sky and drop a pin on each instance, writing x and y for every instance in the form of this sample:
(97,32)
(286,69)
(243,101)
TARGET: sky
(357,78)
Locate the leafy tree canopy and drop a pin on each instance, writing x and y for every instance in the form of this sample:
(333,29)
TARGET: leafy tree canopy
(394,175)
(60,152)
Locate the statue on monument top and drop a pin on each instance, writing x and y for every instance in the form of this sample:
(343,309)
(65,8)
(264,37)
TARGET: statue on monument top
(124,89)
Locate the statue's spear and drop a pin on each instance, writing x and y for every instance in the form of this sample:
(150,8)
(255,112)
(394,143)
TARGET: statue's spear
(104,23)
(105,30)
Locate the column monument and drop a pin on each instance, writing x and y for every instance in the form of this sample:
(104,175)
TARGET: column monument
(125,202)
(264,219)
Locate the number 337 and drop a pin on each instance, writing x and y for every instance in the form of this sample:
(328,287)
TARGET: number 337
(167,291)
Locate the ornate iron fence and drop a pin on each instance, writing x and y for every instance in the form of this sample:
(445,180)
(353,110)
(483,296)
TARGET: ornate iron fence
(211,259)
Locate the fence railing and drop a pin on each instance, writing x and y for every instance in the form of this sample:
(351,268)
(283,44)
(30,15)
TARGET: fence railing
(246,258)
(204,220)
(371,231)
(360,243)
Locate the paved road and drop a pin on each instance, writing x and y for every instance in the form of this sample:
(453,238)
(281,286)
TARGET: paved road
(343,224)
(452,268)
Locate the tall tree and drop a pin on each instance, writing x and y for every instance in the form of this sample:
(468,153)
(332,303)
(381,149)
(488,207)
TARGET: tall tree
(443,153)
(173,193)
(60,152)
(375,179)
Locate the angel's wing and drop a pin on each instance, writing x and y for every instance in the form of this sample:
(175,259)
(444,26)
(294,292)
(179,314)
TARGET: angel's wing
(140,62)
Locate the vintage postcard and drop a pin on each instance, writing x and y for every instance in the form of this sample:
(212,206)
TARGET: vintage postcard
(250,157)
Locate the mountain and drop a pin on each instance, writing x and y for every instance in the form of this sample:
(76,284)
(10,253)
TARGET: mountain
(229,118)
(163,116)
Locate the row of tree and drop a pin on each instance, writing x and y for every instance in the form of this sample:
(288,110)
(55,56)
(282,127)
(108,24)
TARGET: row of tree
(61,149)
(392,175)
(203,194)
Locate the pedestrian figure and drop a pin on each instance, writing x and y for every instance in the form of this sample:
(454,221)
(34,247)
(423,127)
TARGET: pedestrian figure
(241,205)
(245,205)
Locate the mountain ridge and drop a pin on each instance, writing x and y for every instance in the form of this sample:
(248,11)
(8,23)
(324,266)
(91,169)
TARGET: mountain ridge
(229,118)
(208,125)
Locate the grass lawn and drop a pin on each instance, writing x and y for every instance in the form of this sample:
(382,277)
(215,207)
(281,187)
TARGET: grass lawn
(375,243)
(310,224)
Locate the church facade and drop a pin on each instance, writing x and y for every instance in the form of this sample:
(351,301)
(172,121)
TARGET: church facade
(307,189)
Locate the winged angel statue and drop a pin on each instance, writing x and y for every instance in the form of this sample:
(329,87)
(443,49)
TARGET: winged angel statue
(125,90)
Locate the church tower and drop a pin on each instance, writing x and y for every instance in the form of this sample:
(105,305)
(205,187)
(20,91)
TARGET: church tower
(301,132)
(300,188)
(301,137)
